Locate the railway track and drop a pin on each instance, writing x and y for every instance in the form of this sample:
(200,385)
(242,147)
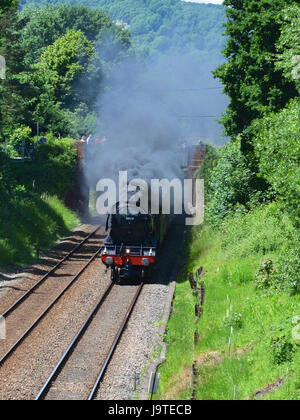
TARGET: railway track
(48,274)
(84,362)
(113,300)
(33,300)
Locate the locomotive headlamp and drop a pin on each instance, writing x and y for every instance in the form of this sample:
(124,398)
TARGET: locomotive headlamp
(145,262)
(109,261)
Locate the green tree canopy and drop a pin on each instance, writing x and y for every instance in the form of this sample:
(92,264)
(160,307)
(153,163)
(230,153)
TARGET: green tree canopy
(12,92)
(64,62)
(7,5)
(46,24)
(53,67)
(163,25)
(252,82)
(277,146)
(289,45)
(63,76)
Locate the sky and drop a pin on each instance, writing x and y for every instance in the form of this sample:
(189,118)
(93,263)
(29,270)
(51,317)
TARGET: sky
(206,1)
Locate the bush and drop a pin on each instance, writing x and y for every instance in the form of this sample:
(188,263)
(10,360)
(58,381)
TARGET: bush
(265,231)
(7,178)
(52,170)
(263,278)
(287,274)
(205,171)
(30,223)
(261,231)
(230,184)
(277,147)
(282,350)
(235,321)
(19,135)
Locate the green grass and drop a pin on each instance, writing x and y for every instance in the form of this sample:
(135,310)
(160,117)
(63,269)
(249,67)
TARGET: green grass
(231,260)
(179,337)
(31,225)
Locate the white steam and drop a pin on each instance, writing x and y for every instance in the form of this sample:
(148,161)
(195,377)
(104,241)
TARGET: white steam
(146,110)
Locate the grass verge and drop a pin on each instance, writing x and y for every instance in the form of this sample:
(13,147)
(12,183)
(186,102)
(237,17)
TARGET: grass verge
(263,358)
(30,226)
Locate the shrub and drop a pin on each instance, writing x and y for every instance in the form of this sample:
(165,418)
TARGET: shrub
(263,278)
(30,223)
(17,137)
(52,170)
(210,161)
(282,350)
(287,274)
(277,147)
(261,231)
(264,231)
(235,321)
(230,184)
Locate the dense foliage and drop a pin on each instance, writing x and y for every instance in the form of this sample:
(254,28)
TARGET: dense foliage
(230,184)
(253,83)
(31,219)
(277,146)
(253,187)
(163,25)
(53,66)
(7,5)
(46,24)
(62,78)
(288,45)
(12,92)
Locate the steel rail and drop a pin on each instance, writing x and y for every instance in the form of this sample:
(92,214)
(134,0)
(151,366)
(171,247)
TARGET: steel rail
(115,343)
(20,340)
(56,371)
(30,291)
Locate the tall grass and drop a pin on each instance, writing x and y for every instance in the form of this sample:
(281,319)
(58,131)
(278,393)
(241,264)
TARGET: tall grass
(235,308)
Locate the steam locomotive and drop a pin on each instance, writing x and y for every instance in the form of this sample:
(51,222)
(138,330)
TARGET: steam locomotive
(130,249)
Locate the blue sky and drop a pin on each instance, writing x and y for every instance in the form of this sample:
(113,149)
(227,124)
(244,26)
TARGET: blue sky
(206,1)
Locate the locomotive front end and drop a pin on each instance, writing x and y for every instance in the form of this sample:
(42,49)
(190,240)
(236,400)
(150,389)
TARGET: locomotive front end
(128,262)
(129,250)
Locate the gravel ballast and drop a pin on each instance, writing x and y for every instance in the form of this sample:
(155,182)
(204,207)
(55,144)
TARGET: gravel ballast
(22,375)
(141,347)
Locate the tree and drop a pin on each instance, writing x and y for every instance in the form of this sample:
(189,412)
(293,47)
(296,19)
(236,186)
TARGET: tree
(252,82)
(231,185)
(12,91)
(289,45)
(187,25)
(277,146)
(46,24)
(63,63)
(64,77)
(7,5)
